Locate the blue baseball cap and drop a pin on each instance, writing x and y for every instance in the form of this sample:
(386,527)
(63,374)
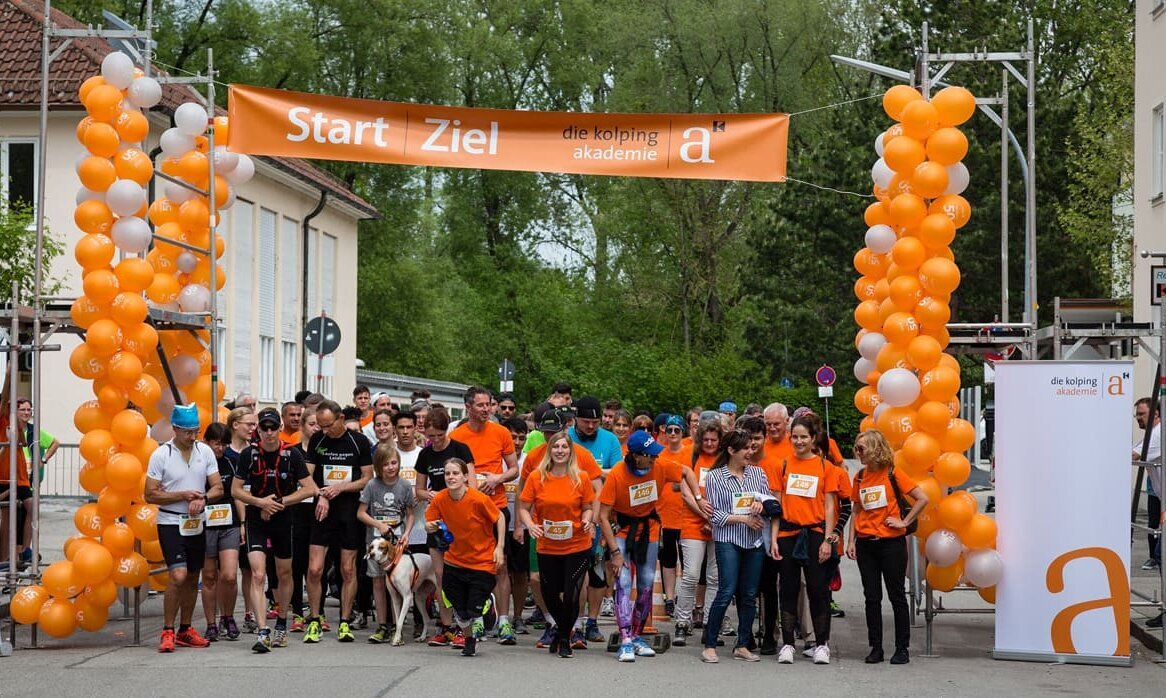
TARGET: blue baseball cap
(641,442)
(728,406)
(184,416)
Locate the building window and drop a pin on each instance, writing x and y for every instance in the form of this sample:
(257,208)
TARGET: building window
(18,172)
(268,221)
(328,275)
(1156,7)
(290,369)
(240,284)
(1157,140)
(267,369)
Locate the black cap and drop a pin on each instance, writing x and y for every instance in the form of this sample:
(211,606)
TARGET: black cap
(270,415)
(551,422)
(587,407)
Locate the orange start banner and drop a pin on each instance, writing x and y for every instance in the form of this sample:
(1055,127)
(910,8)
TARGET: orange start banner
(750,147)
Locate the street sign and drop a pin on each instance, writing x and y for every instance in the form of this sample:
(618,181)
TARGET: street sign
(825,392)
(321,335)
(825,376)
(506,370)
(787,382)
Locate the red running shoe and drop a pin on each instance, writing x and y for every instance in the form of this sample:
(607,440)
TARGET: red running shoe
(167,643)
(191,638)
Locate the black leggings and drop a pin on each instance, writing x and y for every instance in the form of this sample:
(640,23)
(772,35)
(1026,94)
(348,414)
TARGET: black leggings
(562,580)
(884,561)
(770,603)
(301,542)
(791,583)
(669,553)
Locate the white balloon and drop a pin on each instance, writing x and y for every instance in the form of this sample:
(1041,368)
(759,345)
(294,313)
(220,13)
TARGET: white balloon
(178,193)
(879,143)
(125,197)
(878,410)
(131,235)
(243,171)
(862,369)
(870,345)
(898,387)
(194,298)
(957,179)
(175,143)
(983,568)
(118,70)
(230,199)
(84,194)
(225,160)
(880,238)
(145,92)
(190,119)
(186,261)
(881,174)
(943,547)
(184,367)
(162,431)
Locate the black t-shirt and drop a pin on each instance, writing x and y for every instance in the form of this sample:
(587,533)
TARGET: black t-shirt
(348,451)
(275,472)
(226,475)
(431,463)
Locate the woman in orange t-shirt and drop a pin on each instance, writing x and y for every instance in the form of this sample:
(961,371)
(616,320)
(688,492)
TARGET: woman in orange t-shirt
(475,552)
(878,540)
(696,537)
(670,434)
(555,506)
(621,426)
(808,488)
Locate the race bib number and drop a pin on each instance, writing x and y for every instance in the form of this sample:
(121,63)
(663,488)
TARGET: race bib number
(802,485)
(394,522)
(410,476)
(337,474)
(873,497)
(511,490)
(743,503)
(558,530)
(189,525)
(219,515)
(643,493)
(702,476)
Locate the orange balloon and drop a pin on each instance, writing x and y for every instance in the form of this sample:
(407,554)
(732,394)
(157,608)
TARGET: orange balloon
(932,417)
(26,604)
(101,286)
(97,446)
(146,390)
(163,211)
(905,291)
(152,551)
(162,260)
(903,154)
(91,617)
(104,336)
(193,166)
(194,214)
(128,428)
(129,309)
(932,312)
(947,146)
(163,289)
(96,173)
(920,119)
(933,491)
(890,356)
(131,570)
(870,264)
(101,140)
(929,179)
(908,210)
(876,214)
(954,207)
(94,251)
(143,450)
(87,87)
(928,523)
(901,184)
(123,472)
(222,130)
(923,352)
(132,126)
(937,231)
(909,253)
(866,399)
(143,519)
(867,315)
(952,469)
(85,312)
(864,288)
(945,578)
(896,98)
(103,593)
(135,165)
(60,580)
(57,617)
(940,384)
(899,329)
(111,398)
(220,246)
(103,103)
(921,450)
(93,216)
(142,340)
(92,565)
(92,478)
(896,423)
(134,274)
(939,276)
(955,511)
(979,532)
(953,105)
(988,594)
(960,436)
(88,416)
(84,364)
(159,581)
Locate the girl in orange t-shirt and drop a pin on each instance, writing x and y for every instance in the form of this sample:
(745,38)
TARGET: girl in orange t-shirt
(556,508)
(621,426)
(808,488)
(475,554)
(696,537)
(878,540)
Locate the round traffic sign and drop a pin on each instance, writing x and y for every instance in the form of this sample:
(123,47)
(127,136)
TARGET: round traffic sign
(825,376)
(321,335)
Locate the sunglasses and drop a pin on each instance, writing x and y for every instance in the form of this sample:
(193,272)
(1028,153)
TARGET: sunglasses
(859,450)
(673,430)
(268,427)
(506,408)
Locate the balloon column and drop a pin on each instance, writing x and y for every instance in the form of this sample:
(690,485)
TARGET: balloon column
(908,274)
(120,351)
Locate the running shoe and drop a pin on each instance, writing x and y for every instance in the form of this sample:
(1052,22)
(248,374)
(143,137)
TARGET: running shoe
(822,654)
(459,640)
(680,637)
(297,624)
(698,617)
(443,638)
(786,655)
(591,632)
(477,629)
(212,632)
(312,633)
(642,648)
(808,650)
(379,635)
(324,627)
(279,638)
(344,633)
(547,638)
(360,622)
(167,642)
(836,610)
(470,646)
(228,628)
(1151,564)
(669,607)
(506,634)
(249,625)
(272,611)
(520,627)
(727,628)
(627,653)
(529,601)
(607,607)
(578,642)
(901,656)
(190,638)
(537,620)
(262,643)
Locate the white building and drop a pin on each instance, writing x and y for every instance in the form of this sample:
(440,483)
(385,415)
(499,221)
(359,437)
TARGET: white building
(262,307)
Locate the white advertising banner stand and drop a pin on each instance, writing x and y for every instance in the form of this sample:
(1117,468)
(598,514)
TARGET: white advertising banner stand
(1062,509)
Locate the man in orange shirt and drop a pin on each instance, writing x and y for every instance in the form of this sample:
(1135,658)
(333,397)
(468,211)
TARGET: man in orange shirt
(495,464)
(362,398)
(291,414)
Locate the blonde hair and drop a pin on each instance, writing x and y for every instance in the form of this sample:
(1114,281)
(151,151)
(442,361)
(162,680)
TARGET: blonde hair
(876,445)
(235,415)
(382,456)
(544,468)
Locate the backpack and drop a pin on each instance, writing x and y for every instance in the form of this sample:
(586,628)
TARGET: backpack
(899,501)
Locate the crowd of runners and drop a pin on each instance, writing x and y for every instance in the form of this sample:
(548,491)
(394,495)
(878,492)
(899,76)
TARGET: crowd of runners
(506,524)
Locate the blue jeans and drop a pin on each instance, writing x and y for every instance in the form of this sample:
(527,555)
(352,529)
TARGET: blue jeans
(740,571)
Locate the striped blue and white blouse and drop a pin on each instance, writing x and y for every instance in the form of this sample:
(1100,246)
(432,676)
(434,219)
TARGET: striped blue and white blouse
(726,491)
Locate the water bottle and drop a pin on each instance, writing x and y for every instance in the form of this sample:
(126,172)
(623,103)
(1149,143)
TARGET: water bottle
(444,534)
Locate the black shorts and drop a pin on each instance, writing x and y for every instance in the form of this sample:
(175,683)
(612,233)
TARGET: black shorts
(518,554)
(270,537)
(669,548)
(339,528)
(467,591)
(181,551)
(23,493)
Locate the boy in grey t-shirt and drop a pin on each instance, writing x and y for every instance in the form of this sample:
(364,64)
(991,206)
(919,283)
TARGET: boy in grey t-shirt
(386,504)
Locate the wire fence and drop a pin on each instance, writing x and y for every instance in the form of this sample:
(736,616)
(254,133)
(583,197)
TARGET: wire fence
(61,474)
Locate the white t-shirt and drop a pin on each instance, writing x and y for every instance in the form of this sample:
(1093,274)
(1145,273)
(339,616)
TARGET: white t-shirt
(168,467)
(1153,455)
(409,474)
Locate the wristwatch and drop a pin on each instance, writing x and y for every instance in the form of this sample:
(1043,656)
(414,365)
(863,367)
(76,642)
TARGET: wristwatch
(699,497)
